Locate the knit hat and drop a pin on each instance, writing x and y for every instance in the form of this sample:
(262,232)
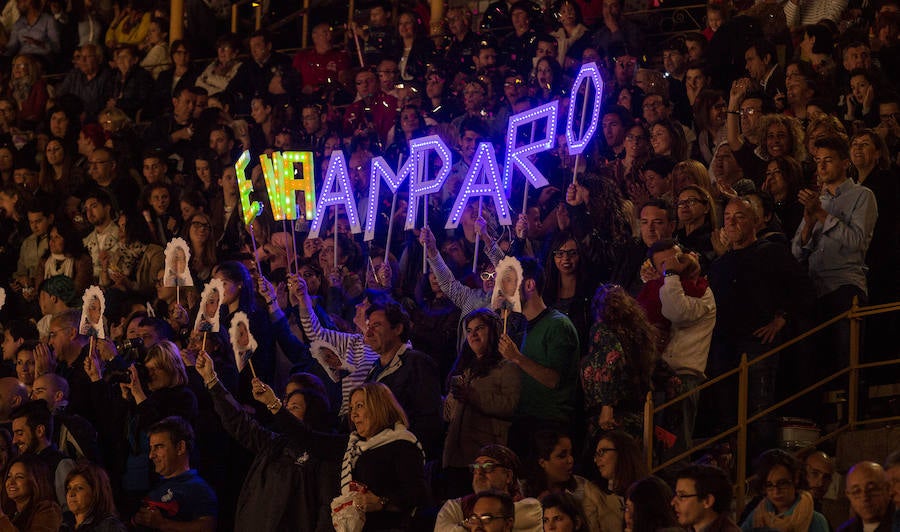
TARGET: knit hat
(502,455)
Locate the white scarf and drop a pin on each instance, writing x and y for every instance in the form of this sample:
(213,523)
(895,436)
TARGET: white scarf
(58,264)
(357,446)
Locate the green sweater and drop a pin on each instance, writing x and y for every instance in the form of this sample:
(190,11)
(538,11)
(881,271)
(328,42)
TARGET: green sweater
(551,341)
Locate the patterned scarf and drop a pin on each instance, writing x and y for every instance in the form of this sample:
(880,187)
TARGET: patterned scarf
(798,521)
(356,446)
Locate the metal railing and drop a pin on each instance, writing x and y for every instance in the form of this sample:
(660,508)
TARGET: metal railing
(855,315)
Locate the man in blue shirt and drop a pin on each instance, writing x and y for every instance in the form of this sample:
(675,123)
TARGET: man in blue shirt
(834,236)
(181,498)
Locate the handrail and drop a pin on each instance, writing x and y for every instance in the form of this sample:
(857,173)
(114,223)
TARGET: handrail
(756,360)
(854,314)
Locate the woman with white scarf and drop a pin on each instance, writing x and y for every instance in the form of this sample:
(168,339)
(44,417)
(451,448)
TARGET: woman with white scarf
(67,256)
(382,477)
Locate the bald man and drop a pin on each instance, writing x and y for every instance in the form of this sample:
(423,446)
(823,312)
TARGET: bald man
(867,489)
(12,394)
(818,473)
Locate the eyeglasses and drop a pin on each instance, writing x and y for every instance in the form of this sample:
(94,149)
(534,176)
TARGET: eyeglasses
(567,253)
(889,116)
(868,491)
(200,225)
(487,468)
(513,83)
(685,496)
(601,452)
(689,202)
(482,520)
(53,333)
(486,276)
(750,111)
(782,484)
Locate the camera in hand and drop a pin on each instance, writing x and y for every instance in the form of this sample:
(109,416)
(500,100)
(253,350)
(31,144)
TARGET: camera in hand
(131,353)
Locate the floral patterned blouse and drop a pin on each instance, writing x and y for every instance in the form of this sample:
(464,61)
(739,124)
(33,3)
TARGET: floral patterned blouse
(608,379)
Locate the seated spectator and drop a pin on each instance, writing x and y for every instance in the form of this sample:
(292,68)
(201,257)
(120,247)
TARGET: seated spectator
(73,435)
(130,26)
(488,507)
(323,63)
(218,75)
(563,512)
(783,507)
(818,472)
(550,471)
(131,83)
(702,499)
(648,506)
(35,33)
(27,500)
(28,89)
(156,47)
(16,334)
(67,257)
(496,468)
(870,498)
(90,500)
(32,426)
(90,80)
(180,495)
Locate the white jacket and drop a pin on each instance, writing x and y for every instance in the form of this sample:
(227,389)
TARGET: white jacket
(693,319)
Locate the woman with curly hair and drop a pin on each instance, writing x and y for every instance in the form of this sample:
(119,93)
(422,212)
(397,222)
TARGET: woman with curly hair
(483,394)
(778,135)
(600,218)
(615,375)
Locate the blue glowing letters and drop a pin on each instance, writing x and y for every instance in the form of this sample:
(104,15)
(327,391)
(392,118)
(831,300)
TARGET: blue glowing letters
(517,157)
(588,74)
(483,179)
(419,186)
(336,174)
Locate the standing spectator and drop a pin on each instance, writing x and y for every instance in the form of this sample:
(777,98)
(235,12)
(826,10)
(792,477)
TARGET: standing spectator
(104,238)
(418,50)
(548,360)
(168,82)
(687,303)
(616,372)
(483,394)
(571,35)
(519,45)
(834,236)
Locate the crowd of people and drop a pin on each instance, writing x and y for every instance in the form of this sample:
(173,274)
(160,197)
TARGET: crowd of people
(489,377)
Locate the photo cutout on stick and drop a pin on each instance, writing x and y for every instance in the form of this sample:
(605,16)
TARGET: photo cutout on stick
(210,302)
(92,313)
(507,285)
(328,357)
(178,256)
(242,341)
